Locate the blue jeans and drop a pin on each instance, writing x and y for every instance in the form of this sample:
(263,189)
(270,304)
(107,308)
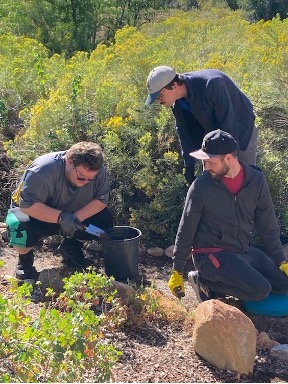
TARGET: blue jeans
(250,276)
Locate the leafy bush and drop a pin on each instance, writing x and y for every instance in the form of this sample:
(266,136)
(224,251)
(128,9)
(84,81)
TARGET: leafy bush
(273,155)
(59,345)
(65,341)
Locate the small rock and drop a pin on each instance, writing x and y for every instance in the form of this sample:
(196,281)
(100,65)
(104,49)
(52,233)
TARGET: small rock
(142,251)
(169,251)
(263,340)
(124,291)
(156,251)
(51,278)
(7,279)
(280,352)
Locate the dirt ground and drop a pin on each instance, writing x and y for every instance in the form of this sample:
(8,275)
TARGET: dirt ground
(163,352)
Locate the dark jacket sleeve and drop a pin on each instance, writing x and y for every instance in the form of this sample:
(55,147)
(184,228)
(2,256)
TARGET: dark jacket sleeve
(187,226)
(266,224)
(223,107)
(185,146)
(190,133)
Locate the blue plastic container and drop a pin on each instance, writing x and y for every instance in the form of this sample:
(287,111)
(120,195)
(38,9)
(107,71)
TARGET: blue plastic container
(273,305)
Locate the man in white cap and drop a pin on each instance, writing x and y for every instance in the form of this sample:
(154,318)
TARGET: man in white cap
(221,208)
(201,102)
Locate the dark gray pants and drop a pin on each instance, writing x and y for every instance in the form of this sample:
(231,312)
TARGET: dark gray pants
(249,155)
(251,276)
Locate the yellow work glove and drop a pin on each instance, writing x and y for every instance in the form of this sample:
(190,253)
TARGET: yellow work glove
(176,284)
(284,267)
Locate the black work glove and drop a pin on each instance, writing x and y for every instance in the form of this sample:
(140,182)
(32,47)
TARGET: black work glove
(69,224)
(189,174)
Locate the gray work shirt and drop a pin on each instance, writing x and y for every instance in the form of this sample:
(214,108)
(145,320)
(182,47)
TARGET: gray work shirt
(45,182)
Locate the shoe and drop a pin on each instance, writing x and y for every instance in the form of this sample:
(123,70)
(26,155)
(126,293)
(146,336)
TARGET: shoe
(25,269)
(71,249)
(202,291)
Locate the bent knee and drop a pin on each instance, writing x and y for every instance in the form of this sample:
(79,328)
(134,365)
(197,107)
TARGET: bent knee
(261,293)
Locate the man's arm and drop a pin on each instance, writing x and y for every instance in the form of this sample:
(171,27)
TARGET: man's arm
(184,238)
(266,224)
(190,134)
(95,206)
(45,213)
(32,193)
(188,225)
(42,212)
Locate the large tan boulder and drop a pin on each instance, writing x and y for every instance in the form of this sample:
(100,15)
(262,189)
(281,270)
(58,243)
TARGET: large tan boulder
(224,336)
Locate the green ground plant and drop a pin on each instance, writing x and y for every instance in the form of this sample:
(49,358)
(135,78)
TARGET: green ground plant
(63,344)
(65,341)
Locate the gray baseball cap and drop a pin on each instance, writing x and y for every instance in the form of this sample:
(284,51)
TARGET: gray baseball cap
(157,79)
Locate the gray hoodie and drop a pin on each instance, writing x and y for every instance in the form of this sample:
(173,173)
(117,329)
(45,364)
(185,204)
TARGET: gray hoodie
(214,217)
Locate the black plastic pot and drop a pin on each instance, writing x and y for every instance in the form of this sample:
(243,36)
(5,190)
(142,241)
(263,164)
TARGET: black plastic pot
(121,252)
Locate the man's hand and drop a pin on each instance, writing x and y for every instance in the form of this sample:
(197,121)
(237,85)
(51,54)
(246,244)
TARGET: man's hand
(69,224)
(176,284)
(284,267)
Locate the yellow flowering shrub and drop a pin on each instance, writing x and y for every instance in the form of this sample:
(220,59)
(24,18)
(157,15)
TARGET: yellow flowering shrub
(101,97)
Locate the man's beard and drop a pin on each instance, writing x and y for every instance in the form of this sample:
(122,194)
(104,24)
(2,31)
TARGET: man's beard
(219,176)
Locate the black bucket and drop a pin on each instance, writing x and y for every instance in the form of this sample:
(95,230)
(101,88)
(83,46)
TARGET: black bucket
(121,252)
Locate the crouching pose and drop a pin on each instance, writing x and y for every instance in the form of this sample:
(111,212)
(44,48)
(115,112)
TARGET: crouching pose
(222,207)
(60,193)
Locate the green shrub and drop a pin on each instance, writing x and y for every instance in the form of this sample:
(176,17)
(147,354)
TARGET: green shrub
(60,345)
(100,97)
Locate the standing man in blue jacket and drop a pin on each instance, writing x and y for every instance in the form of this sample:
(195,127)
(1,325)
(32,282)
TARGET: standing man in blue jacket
(201,102)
